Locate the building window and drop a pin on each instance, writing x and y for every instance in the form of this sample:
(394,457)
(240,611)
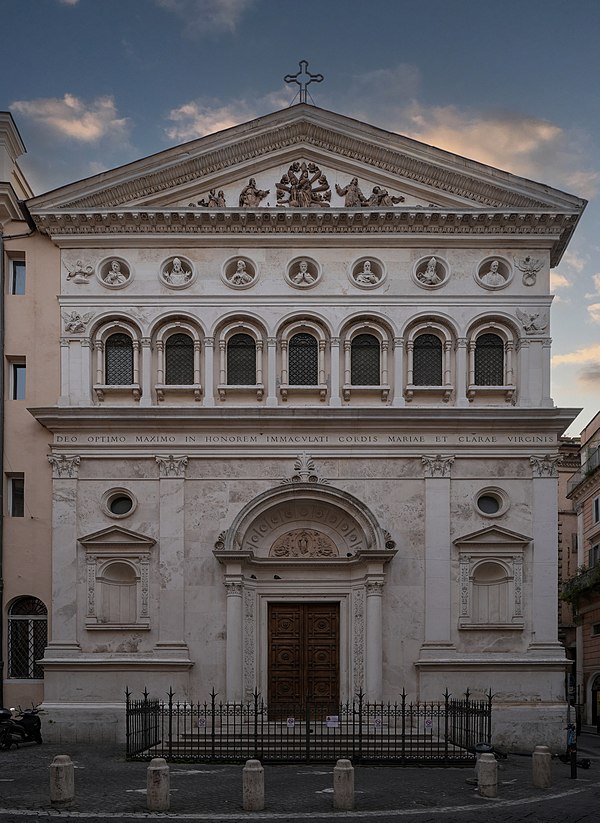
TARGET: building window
(118,352)
(365,360)
(597,509)
(179,360)
(17,277)
(16,495)
(241,360)
(427,361)
(27,638)
(17,379)
(303,360)
(594,555)
(489,360)
(595,629)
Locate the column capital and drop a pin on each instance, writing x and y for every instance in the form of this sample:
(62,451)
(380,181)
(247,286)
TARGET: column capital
(64,466)
(234,589)
(545,465)
(437,465)
(374,587)
(171,465)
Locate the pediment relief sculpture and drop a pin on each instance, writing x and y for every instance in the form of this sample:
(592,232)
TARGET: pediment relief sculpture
(214,200)
(306,543)
(251,196)
(303,186)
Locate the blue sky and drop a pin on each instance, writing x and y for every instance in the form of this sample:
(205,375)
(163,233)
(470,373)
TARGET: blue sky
(94,84)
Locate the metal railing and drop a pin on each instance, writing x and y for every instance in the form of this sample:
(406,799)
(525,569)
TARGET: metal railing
(404,732)
(590,465)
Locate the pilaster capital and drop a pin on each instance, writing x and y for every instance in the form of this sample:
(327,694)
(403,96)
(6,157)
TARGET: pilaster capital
(171,465)
(374,588)
(234,588)
(545,465)
(63,466)
(437,465)
(209,342)
(334,341)
(271,341)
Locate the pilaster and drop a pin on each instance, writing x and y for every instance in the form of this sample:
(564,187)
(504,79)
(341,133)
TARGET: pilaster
(209,377)
(335,399)
(271,371)
(374,645)
(235,591)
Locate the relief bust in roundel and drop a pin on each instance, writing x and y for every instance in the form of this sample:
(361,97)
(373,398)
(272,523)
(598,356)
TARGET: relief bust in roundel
(115,273)
(177,272)
(367,273)
(431,272)
(239,273)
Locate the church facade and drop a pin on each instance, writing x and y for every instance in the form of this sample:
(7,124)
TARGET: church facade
(304,442)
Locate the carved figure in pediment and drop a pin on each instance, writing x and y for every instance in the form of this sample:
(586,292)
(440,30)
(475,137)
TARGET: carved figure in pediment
(304,186)
(250,195)
(241,276)
(177,275)
(366,277)
(381,198)
(429,275)
(79,273)
(533,322)
(530,268)
(494,276)
(115,276)
(354,198)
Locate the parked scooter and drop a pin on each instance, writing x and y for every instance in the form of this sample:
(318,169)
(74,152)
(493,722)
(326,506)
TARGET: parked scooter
(22,726)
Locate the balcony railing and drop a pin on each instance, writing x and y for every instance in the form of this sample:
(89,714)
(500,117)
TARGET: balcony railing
(587,468)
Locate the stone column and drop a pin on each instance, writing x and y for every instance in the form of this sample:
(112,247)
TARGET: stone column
(374,650)
(146,381)
(171,630)
(437,609)
(209,377)
(271,371)
(546,361)
(64,554)
(335,399)
(84,388)
(235,592)
(398,381)
(65,368)
(545,551)
(524,376)
(461,376)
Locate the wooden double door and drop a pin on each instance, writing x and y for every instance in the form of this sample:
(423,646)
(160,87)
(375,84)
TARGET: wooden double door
(304,654)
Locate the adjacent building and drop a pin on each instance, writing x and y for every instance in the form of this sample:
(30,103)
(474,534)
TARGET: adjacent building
(303,441)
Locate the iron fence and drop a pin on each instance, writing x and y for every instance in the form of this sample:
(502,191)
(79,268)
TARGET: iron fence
(404,732)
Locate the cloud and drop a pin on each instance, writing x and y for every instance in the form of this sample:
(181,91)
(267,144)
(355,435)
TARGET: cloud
(594,312)
(68,2)
(596,279)
(71,117)
(590,374)
(204,16)
(587,354)
(196,119)
(558,281)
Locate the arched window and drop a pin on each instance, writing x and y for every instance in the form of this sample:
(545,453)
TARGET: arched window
(241,360)
(179,360)
(490,594)
(27,638)
(427,361)
(365,360)
(489,360)
(118,353)
(303,360)
(119,594)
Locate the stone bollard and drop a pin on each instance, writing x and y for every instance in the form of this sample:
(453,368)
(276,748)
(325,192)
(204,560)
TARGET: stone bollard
(158,784)
(542,770)
(62,780)
(487,780)
(253,786)
(343,786)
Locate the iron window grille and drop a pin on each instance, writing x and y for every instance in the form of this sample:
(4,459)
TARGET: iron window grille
(364,360)
(241,360)
(27,638)
(119,360)
(427,361)
(489,360)
(303,357)
(179,360)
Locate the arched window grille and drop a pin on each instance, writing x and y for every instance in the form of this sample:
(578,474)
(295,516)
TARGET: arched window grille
(427,361)
(241,360)
(27,638)
(179,360)
(118,352)
(489,360)
(303,360)
(365,360)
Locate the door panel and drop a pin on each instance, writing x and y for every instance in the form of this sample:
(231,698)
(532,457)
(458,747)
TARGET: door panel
(304,655)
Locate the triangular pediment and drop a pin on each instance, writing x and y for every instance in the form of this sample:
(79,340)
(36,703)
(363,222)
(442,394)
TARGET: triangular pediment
(418,175)
(116,536)
(492,535)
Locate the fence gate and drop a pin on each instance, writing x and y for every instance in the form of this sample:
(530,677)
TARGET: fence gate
(403,732)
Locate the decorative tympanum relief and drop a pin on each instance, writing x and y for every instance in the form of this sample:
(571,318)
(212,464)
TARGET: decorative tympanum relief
(308,543)
(303,187)
(80,273)
(75,323)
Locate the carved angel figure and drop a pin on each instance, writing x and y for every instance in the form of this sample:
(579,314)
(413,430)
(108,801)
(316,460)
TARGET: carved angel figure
(532,321)
(79,273)
(250,196)
(381,198)
(75,322)
(530,268)
(354,198)
(304,186)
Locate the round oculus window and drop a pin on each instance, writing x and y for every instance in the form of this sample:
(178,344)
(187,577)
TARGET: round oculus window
(120,504)
(488,504)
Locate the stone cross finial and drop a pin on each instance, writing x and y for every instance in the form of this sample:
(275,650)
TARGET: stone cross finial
(303,78)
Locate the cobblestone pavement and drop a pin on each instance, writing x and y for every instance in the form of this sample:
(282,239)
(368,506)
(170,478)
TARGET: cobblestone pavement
(109,788)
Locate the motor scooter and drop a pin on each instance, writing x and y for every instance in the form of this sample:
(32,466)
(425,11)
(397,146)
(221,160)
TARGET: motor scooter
(22,726)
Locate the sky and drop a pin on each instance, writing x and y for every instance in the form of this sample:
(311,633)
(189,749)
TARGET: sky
(94,84)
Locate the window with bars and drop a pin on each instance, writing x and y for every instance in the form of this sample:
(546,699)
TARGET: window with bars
(179,360)
(489,360)
(241,360)
(118,353)
(364,360)
(427,361)
(303,360)
(27,638)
